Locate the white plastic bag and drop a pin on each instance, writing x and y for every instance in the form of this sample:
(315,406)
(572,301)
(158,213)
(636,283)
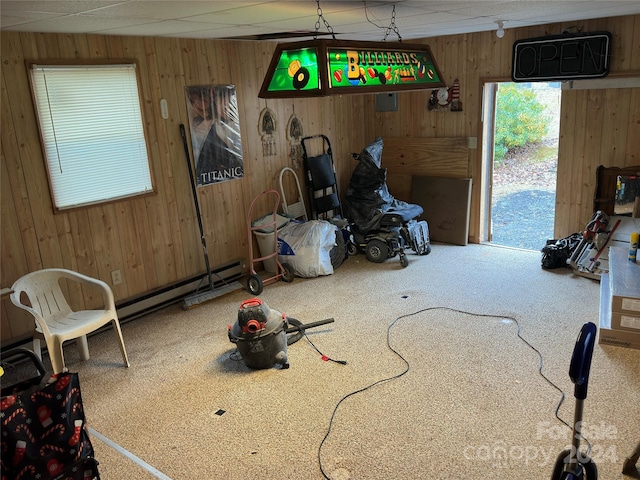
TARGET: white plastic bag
(306,247)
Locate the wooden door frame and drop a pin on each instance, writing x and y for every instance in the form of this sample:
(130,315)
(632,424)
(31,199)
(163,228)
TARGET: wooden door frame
(485,165)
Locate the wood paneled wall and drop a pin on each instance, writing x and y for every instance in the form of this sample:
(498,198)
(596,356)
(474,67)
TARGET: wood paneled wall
(405,157)
(154,240)
(605,130)
(598,127)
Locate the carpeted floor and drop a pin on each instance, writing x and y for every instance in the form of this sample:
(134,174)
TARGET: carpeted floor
(458,395)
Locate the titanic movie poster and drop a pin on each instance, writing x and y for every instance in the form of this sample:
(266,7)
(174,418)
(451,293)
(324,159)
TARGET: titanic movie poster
(215,133)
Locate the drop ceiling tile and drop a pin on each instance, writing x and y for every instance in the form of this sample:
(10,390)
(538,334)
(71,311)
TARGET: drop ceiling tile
(57,6)
(349,19)
(170,10)
(88,24)
(174,28)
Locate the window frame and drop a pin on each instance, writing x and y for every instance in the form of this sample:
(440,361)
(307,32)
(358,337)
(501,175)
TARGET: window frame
(144,126)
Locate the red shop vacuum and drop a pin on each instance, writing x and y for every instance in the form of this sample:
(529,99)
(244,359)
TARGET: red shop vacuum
(263,334)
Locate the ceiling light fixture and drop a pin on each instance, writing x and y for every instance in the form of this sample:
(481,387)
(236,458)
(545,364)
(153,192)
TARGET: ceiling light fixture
(319,68)
(500,30)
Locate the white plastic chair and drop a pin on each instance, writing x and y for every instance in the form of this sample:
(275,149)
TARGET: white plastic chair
(55,321)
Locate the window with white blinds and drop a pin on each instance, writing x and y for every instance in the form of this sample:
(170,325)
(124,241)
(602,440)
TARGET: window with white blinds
(92,132)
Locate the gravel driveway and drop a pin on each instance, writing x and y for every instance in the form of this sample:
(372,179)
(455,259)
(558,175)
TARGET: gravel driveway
(524,219)
(523,206)
(524,190)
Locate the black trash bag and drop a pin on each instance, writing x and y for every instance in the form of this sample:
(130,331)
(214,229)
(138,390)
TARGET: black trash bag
(556,252)
(367,195)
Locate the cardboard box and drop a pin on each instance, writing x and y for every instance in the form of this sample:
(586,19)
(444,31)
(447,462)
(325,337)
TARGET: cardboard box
(624,282)
(606,334)
(619,338)
(625,322)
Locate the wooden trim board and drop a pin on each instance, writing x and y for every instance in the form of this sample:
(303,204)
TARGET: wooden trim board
(434,157)
(446,203)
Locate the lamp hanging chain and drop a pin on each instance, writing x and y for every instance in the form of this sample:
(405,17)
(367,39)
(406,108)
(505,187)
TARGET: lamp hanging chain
(392,26)
(326,24)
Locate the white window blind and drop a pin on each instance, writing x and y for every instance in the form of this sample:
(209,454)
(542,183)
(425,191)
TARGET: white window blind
(92,130)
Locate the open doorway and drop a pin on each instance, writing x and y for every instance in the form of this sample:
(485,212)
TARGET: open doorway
(521,132)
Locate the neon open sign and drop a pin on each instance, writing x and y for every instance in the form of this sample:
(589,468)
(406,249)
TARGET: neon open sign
(561,57)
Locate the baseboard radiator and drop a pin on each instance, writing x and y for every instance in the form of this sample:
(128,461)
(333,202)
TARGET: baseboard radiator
(162,297)
(136,307)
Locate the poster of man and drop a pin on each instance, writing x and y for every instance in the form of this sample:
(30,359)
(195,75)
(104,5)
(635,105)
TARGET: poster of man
(215,133)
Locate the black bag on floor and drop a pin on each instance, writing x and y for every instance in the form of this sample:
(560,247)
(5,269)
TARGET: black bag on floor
(43,428)
(556,252)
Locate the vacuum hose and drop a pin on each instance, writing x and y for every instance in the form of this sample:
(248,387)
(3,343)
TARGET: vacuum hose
(297,328)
